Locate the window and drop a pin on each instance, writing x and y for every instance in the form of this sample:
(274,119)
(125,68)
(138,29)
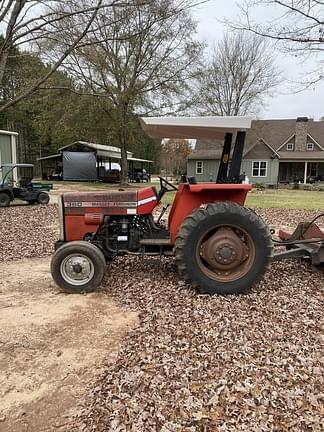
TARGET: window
(309,146)
(259,168)
(290,146)
(199,167)
(312,169)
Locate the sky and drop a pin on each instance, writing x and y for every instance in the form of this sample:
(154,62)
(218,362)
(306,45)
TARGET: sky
(286,103)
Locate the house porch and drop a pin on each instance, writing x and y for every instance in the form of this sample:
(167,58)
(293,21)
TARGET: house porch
(301,172)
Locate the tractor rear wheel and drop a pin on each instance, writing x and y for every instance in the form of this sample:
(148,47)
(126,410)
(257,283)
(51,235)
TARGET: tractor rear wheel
(78,266)
(223,249)
(4,200)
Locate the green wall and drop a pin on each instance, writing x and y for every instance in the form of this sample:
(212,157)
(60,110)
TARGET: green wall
(5,152)
(210,170)
(272,171)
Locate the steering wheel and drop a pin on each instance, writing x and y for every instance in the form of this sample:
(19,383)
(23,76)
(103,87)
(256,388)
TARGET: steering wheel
(164,182)
(164,187)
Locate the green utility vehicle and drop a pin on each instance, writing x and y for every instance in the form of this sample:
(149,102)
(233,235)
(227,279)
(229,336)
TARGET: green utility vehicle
(26,190)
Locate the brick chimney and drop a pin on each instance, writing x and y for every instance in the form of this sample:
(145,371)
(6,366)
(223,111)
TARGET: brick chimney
(301,133)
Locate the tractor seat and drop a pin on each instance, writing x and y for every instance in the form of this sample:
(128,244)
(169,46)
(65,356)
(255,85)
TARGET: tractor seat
(192,180)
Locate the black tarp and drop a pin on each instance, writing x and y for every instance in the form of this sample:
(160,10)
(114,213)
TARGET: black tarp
(79,166)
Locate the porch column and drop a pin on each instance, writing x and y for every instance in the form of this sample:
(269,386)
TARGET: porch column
(305,172)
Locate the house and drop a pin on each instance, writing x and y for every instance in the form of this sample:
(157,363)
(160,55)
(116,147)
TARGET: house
(83,160)
(276,151)
(8,150)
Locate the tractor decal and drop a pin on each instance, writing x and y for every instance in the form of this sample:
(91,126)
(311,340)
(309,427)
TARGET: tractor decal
(100,204)
(147,200)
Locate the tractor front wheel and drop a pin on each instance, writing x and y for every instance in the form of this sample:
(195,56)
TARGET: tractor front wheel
(78,266)
(223,249)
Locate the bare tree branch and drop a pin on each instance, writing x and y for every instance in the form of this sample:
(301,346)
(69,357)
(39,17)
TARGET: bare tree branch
(238,78)
(299,30)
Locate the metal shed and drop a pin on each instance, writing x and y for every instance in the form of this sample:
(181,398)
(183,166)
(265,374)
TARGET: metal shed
(87,161)
(8,150)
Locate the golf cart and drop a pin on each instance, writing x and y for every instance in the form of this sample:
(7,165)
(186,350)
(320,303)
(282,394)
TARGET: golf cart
(26,190)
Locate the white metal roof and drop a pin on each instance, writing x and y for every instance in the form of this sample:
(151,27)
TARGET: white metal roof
(5,132)
(194,127)
(139,160)
(101,149)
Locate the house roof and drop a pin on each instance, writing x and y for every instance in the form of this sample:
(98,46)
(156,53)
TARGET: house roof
(301,155)
(273,133)
(205,154)
(207,149)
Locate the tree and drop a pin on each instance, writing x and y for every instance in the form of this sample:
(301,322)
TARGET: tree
(47,120)
(28,23)
(238,77)
(140,59)
(298,27)
(174,155)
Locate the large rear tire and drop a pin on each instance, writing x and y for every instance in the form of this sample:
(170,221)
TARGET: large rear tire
(4,199)
(78,266)
(223,249)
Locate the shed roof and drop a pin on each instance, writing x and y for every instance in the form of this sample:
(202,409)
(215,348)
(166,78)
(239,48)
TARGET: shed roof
(101,149)
(5,132)
(55,156)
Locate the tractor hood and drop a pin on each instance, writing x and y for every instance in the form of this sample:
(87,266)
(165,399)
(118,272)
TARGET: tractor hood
(194,127)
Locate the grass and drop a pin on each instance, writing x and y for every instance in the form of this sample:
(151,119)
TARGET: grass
(281,198)
(285,198)
(99,185)
(268,198)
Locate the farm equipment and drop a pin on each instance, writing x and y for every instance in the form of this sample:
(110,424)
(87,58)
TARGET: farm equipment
(219,245)
(26,190)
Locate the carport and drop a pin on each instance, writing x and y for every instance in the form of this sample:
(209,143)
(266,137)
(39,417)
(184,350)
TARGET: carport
(89,161)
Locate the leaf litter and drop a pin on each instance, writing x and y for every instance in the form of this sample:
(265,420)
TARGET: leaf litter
(197,363)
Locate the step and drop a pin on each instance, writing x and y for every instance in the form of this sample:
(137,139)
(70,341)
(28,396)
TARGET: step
(156,241)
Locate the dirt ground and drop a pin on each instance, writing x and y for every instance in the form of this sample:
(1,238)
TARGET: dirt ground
(52,345)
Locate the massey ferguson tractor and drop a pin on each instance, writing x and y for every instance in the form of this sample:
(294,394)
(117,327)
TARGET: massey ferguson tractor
(219,245)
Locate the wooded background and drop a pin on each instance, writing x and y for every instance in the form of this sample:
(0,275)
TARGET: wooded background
(87,69)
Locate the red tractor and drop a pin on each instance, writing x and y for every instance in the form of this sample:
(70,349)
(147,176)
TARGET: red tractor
(219,245)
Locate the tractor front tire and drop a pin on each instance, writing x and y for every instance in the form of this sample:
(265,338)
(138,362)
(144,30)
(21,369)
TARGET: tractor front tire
(78,267)
(4,200)
(43,198)
(223,249)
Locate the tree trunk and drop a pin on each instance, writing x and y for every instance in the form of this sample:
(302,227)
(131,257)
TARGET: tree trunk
(123,144)
(3,62)
(124,164)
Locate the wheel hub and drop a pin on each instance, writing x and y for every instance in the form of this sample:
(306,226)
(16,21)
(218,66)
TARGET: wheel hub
(77,269)
(224,250)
